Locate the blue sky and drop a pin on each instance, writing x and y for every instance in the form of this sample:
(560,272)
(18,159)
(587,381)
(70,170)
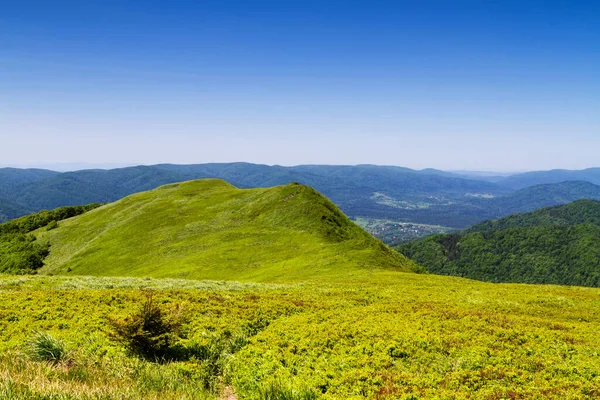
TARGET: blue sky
(453,84)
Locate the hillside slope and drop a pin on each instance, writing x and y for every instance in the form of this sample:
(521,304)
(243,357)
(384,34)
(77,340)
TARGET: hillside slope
(208,229)
(20,252)
(557,245)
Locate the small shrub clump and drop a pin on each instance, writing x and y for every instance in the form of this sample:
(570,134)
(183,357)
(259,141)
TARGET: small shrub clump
(52,225)
(152,332)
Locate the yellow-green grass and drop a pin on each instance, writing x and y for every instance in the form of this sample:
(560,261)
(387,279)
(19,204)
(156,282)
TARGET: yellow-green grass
(392,335)
(208,229)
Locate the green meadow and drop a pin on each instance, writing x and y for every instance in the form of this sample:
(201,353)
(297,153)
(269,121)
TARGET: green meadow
(392,335)
(202,290)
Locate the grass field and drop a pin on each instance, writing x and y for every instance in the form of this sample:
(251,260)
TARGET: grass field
(393,335)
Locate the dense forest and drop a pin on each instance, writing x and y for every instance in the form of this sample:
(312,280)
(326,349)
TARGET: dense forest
(555,245)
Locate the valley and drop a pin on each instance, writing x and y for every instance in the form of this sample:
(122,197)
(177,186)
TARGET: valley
(394,232)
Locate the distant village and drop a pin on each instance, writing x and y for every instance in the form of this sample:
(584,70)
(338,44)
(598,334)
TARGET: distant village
(394,233)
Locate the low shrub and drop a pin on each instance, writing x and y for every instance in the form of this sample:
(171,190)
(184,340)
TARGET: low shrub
(275,390)
(152,332)
(52,225)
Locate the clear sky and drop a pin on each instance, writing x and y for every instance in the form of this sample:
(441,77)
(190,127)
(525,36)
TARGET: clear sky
(451,84)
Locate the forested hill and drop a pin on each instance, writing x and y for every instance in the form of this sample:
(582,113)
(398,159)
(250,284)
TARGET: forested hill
(20,252)
(13,177)
(583,211)
(556,245)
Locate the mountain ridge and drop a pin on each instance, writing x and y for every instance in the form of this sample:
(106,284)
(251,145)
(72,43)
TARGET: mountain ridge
(208,229)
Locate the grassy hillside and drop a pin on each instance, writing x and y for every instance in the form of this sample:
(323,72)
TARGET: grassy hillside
(208,229)
(20,252)
(558,245)
(393,336)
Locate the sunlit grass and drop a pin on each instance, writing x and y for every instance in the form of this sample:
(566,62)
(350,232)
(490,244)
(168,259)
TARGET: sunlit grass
(393,335)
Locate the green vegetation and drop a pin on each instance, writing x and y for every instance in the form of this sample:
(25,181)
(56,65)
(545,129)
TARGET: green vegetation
(208,229)
(393,335)
(558,245)
(281,391)
(45,347)
(152,331)
(338,315)
(20,252)
(575,213)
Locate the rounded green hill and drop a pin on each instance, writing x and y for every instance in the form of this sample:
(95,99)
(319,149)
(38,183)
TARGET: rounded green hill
(208,229)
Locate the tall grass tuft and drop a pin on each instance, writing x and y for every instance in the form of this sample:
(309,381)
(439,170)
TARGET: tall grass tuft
(45,347)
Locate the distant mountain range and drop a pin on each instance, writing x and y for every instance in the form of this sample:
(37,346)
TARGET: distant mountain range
(353,188)
(519,181)
(426,196)
(10,210)
(555,245)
